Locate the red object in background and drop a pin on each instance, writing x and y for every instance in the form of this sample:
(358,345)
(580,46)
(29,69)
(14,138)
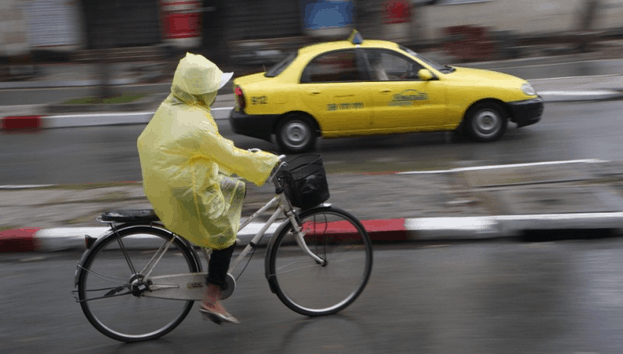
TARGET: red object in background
(182,25)
(397,11)
(240,102)
(21,122)
(468,43)
(181,19)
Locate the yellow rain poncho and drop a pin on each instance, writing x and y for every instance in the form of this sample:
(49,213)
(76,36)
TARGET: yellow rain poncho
(185,161)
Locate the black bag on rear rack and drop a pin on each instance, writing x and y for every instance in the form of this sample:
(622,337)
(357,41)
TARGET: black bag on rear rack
(305,182)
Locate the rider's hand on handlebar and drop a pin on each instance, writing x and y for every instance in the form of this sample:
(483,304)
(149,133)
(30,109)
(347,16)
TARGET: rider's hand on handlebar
(276,169)
(282,158)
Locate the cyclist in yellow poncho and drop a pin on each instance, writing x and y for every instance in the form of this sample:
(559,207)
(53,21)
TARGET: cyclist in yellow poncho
(186,165)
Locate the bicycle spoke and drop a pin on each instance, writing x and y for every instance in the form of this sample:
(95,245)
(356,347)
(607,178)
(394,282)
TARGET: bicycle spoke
(103,277)
(125,254)
(281,270)
(105,297)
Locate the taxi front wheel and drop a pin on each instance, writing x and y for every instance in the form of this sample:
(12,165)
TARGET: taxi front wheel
(486,122)
(296,134)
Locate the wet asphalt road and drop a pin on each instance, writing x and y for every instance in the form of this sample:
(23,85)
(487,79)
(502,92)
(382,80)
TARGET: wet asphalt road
(568,131)
(489,297)
(563,69)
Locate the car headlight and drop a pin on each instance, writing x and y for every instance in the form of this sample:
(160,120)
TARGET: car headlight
(527,89)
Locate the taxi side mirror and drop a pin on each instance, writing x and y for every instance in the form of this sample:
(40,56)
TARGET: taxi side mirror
(425,75)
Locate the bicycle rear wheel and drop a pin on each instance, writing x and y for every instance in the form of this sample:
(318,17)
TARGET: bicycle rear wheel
(110,290)
(314,289)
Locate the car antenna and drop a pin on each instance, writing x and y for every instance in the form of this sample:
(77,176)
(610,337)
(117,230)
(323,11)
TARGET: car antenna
(264,67)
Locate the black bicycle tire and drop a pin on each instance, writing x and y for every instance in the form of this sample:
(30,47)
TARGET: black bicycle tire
(276,242)
(90,257)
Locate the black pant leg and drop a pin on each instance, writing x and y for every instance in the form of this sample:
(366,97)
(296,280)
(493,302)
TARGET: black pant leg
(218,266)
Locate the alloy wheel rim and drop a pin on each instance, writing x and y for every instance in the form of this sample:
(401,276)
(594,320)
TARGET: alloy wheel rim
(487,123)
(296,134)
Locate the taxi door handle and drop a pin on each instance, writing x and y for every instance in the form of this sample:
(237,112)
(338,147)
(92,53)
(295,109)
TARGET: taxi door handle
(386,91)
(315,92)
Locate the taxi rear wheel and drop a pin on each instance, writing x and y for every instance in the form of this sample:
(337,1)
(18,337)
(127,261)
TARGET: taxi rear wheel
(486,122)
(296,134)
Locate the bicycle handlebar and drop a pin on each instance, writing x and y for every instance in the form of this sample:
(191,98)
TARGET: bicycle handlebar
(271,178)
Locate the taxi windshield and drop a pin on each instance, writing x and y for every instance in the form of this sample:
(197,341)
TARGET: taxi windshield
(280,66)
(433,64)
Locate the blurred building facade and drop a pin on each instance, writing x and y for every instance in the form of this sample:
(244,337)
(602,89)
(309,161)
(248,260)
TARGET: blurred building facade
(234,26)
(526,17)
(14,43)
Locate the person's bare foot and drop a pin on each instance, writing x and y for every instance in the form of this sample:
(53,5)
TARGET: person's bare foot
(212,307)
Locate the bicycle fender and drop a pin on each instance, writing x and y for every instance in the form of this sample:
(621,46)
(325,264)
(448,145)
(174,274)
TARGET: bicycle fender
(282,228)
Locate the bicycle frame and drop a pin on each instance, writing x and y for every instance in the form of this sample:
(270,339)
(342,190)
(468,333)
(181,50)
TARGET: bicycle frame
(286,209)
(190,286)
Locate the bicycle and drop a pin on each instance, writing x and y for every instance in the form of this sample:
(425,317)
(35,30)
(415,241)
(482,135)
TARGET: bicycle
(317,262)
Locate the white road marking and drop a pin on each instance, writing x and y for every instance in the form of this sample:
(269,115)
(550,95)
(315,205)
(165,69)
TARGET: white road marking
(579,93)
(492,167)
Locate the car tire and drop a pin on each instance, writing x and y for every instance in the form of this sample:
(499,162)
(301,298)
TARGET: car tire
(296,134)
(486,122)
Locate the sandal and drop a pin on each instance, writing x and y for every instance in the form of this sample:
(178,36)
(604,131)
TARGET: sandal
(217,317)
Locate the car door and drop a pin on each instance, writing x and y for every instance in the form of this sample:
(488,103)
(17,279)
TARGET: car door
(400,100)
(332,93)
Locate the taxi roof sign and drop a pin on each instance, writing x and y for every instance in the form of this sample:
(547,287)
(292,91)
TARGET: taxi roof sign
(355,37)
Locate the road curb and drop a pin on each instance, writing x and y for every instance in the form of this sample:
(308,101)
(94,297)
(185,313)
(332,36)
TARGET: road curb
(380,230)
(87,119)
(19,240)
(21,122)
(68,238)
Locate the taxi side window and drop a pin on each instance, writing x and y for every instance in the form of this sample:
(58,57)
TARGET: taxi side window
(340,66)
(386,66)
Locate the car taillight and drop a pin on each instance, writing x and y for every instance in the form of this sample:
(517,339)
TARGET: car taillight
(240,102)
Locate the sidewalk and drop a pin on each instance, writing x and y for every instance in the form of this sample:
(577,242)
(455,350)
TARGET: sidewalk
(77,75)
(459,204)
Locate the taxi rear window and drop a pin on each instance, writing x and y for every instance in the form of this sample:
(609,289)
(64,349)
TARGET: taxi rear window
(280,66)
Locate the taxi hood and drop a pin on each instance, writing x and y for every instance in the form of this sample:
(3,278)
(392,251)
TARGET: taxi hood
(481,76)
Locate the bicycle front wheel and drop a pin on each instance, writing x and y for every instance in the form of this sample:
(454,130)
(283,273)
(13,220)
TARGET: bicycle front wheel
(312,287)
(110,284)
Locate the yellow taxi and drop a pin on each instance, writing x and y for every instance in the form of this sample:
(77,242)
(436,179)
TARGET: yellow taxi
(360,87)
